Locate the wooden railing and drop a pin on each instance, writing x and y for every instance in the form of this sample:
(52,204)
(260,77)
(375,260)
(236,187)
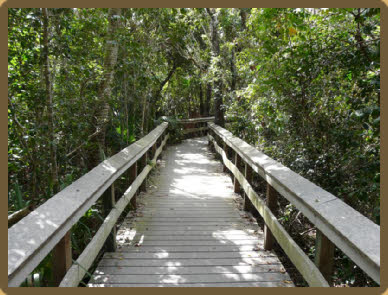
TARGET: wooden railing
(48,227)
(195,126)
(336,223)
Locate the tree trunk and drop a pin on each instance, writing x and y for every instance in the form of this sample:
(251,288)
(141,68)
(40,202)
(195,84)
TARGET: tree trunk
(143,118)
(105,88)
(208,98)
(201,102)
(126,111)
(233,70)
(217,84)
(49,101)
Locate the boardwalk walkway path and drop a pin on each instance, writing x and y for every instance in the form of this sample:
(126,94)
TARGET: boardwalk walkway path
(189,232)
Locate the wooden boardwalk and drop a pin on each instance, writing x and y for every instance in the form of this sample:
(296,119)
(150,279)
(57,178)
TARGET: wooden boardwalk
(189,232)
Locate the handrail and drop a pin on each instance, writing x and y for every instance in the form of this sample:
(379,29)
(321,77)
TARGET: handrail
(33,237)
(196,120)
(350,231)
(77,271)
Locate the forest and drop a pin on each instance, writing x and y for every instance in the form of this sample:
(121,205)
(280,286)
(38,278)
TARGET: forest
(302,85)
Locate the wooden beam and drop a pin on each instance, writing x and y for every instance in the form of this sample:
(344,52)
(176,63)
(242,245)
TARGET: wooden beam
(194,130)
(271,202)
(225,148)
(62,258)
(18,215)
(109,202)
(153,150)
(237,163)
(143,163)
(132,177)
(324,255)
(248,176)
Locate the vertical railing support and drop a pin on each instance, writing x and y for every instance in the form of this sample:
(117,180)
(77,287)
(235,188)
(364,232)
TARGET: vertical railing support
(225,147)
(62,258)
(143,163)
(324,255)
(237,163)
(109,203)
(210,143)
(248,206)
(153,151)
(132,176)
(272,205)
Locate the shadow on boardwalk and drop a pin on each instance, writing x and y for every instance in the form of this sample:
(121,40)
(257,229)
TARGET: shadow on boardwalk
(189,232)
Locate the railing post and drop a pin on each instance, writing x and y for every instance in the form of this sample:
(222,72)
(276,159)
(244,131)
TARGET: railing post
(62,258)
(109,202)
(153,151)
(237,163)
(210,143)
(143,163)
(225,148)
(131,178)
(272,205)
(324,255)
(248,176)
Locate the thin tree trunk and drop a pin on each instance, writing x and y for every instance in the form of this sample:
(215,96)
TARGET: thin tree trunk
(218,103)
(208,99)
(201,102)
(233,70)
(105,88)
(126,117)
(143,118)
(49,101)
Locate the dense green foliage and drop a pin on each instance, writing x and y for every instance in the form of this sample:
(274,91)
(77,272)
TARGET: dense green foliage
(303,85)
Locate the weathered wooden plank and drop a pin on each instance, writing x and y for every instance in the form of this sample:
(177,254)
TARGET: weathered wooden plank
(168,202)
(45,226)
(197,248)
(304,265)
(265,263)
(177,269)
(223,284)
(193,220)
(214,242)
(195,228)
(182,209)
(85,260)
(194,214)
(196,120)
(197,238)
(192,130)
(246,256)
(358,237)
(196,233)
(195,278)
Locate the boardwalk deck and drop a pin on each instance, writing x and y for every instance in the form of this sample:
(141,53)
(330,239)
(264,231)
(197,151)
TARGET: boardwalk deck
(189,232)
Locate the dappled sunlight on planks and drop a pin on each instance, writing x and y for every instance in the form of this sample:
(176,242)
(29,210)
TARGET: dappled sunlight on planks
(188,232)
